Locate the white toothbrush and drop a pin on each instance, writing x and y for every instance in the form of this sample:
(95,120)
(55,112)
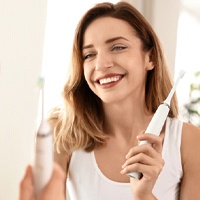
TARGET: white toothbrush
(158,120)
(43,162)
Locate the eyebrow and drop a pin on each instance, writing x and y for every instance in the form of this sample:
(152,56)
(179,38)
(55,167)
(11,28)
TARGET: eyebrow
(107,42)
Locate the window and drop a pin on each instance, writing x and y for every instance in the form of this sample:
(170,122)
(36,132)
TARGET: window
(61,22)
(188,43)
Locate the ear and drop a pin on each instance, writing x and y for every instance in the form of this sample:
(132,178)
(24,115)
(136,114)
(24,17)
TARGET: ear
(148,61)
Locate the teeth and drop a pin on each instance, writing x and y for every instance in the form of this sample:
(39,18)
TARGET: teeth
(109,80)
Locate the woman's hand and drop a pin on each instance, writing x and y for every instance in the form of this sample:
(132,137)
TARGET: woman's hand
(146,159)
(54,190)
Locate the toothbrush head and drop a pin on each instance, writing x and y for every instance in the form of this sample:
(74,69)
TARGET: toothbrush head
(40,82)
(181,73)
(168,99)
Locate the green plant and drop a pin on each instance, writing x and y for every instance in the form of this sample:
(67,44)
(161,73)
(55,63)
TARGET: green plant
(193,107)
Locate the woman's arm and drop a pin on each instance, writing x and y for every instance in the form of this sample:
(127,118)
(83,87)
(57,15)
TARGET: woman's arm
(63,160)
(190,153)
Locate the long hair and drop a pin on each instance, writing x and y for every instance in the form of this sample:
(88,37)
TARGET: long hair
(80,123)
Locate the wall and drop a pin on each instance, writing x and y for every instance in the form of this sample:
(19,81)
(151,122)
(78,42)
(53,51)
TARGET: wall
(22,24)
(163,16)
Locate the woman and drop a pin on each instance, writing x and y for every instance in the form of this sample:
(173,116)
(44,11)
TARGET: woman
(118,78)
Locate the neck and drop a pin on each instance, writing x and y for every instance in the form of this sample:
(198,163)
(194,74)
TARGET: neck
(126,119)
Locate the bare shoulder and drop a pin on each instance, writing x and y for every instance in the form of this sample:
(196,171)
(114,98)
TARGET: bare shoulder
(190,155)
(190,145)
(63,160)
(190,133)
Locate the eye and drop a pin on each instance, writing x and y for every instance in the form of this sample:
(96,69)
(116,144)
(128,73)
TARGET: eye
(88,56)
(118,48)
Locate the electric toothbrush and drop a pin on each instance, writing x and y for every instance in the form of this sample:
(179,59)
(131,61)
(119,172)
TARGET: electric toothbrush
(158,120)
(43,161)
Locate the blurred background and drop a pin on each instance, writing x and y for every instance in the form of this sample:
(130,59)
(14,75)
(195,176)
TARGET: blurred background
(36,39)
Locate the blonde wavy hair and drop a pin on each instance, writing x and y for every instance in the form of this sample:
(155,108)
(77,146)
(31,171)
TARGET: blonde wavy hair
(80,122)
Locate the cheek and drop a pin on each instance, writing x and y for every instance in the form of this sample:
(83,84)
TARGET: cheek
(86,72)
(88,75)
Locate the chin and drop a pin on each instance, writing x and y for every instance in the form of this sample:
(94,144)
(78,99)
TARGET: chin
(109,100)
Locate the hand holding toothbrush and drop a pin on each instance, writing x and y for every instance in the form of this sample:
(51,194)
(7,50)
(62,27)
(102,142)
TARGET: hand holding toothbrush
(146,159)
(55,189)
(158,120)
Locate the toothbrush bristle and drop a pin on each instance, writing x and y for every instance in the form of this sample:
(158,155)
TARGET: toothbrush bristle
(168,99)
(40,82)
(181,73)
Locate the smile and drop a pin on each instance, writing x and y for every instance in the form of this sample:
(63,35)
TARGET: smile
(109,79)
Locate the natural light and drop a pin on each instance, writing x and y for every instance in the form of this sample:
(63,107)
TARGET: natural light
(188,43)
(61,22)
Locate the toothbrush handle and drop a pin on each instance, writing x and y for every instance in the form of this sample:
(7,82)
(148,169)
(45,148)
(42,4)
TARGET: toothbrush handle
(154,127)
(43,166)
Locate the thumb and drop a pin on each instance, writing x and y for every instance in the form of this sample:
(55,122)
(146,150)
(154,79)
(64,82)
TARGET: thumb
(26,185)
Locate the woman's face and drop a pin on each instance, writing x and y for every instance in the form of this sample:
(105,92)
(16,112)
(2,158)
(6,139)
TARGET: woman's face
(115,66)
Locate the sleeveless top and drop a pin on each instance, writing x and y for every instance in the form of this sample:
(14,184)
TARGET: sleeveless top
(87,182)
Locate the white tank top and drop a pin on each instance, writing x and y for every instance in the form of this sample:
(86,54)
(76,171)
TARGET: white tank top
(87,182)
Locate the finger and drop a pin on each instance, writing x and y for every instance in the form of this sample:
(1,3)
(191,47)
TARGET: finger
(146,149)
(154,140)
(26,185)
(56,187)
(143,159)
(140,158)
(149,172)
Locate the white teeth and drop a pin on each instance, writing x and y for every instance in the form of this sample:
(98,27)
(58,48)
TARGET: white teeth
(109,80)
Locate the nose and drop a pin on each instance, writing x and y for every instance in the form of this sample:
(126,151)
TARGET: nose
(103,62)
